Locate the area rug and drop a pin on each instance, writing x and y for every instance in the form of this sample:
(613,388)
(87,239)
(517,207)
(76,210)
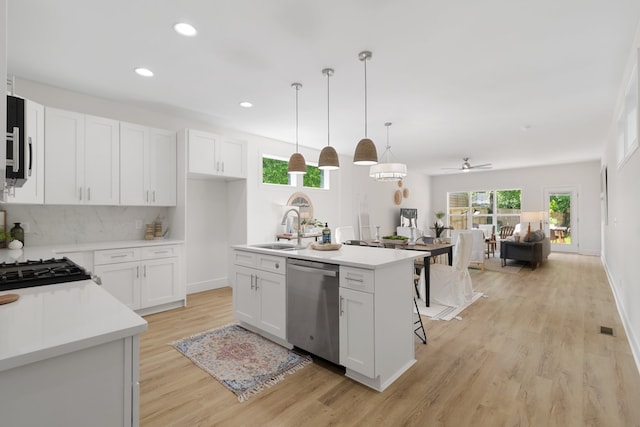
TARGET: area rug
(242,361)
(443,312)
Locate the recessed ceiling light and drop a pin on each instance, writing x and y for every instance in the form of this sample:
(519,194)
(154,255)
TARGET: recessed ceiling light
(246,104)
(526,128)
(185,29)
(145,72)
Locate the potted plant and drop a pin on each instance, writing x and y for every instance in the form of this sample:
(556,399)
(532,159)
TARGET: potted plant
(438,226)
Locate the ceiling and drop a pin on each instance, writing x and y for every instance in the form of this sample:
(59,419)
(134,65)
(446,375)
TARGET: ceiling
(511,83)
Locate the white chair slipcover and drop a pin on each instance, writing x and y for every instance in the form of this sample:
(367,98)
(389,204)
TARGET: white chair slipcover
(342,234)
(477,247)
(451,285)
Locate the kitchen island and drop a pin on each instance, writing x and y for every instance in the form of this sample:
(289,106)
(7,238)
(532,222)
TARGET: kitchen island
(68,357)
(375,304)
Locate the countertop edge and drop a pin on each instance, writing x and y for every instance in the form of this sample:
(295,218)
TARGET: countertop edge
(336,257)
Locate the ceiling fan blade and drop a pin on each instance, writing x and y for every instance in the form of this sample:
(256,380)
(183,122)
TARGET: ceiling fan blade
(451,169)
(482,166)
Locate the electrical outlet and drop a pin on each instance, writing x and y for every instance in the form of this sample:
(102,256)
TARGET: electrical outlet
(138,224)
(25,226)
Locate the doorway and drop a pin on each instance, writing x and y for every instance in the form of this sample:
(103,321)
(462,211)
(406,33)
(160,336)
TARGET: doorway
(561,205)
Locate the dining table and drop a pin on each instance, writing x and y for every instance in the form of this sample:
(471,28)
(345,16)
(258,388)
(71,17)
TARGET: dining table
(430,249)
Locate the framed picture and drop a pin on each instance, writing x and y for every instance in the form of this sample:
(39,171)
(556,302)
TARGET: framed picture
(604,194)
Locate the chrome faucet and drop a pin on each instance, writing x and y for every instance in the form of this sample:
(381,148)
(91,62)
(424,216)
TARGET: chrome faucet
(284,221)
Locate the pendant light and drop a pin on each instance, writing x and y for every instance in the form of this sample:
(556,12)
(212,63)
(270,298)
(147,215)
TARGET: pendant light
(365,153)
(328,156)
(388,171)
(297,165)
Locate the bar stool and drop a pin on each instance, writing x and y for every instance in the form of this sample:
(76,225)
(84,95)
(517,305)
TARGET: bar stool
(419,326)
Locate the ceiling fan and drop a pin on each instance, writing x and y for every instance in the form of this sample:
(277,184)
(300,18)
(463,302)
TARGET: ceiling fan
(466,166)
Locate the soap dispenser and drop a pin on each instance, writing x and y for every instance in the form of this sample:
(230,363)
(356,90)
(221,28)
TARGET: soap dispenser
(326,234)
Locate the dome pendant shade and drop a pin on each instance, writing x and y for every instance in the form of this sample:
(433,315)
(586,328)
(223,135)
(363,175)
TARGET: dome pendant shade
(366,153)
(328,159)
(297,165)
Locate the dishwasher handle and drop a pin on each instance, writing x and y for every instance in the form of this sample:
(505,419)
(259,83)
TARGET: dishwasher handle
(328,273)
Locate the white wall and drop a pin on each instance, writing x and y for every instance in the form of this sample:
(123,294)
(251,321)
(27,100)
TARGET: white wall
(621,245)
(585,177)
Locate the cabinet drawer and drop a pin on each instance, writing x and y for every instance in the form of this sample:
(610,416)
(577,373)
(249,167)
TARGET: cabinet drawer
(154,252)
(357,278)
(274,264)
(248,259)
(113,256)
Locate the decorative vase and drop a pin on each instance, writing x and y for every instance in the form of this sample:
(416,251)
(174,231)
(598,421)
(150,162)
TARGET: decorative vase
(17,232)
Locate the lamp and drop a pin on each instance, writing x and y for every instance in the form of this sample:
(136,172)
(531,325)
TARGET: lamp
(365,153)
(388,171)
(529,217)
(297,165)
(328,156)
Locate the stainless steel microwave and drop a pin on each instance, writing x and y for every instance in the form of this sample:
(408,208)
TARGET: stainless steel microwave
(18,154)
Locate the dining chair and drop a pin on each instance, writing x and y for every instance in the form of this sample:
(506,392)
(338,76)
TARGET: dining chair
(342,234)
(477,245)
(451,285)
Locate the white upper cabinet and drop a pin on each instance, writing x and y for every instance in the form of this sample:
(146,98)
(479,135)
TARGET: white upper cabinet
(147,166)
(211,155)
(32,192)
(82,159)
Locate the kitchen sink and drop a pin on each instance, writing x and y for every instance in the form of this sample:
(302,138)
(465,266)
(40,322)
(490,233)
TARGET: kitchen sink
(276,246)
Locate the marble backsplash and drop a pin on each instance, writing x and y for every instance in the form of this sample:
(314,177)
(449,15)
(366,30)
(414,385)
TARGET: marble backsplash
(47,225)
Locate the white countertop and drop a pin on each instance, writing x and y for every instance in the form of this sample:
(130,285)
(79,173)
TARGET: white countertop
(58,250)
(354,256)
(48,321)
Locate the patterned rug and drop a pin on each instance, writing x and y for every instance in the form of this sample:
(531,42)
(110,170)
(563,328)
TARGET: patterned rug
(442,312)
(240,360)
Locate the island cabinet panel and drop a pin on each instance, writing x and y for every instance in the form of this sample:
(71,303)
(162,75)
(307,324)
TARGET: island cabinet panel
(259,292)
(356,331)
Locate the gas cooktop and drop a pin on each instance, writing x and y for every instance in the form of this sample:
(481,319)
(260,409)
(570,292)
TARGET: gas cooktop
(32,273)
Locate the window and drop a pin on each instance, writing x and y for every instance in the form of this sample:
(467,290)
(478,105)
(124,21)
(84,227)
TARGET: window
(274,171)
(497,207)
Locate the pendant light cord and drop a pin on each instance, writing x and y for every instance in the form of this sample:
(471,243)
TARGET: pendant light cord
(297,89)
(365,97)
(328,116)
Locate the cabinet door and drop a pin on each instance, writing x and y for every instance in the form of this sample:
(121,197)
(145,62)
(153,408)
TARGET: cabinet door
(159,283)
(134,174)
(272,290)
(33,190)
(357,331)
(202,153)
(64,151)
(162,167)
(230,159)
(245,297)
(122,281)
(101,161)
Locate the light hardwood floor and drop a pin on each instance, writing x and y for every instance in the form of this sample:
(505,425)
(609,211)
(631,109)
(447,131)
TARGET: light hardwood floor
(531,354)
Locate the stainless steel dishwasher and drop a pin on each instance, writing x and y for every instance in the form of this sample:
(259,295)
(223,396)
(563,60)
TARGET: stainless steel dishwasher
(313,307)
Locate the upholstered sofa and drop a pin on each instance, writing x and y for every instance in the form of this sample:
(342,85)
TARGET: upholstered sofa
(532,252)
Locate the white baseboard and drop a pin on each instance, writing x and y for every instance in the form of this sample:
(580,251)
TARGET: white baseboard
(206,285)
(634,342)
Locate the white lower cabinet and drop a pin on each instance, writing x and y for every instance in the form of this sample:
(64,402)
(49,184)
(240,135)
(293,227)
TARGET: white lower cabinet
(356,331)
(259,292)
(141,278)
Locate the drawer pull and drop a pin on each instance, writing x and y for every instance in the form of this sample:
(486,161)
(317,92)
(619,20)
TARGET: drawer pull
(119,256)
(355,280)
(161,252)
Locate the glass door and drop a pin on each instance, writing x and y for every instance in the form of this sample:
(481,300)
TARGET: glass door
(561,205)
